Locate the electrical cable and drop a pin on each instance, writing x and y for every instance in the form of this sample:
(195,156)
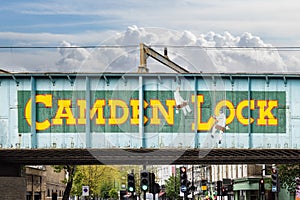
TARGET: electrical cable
(268,48)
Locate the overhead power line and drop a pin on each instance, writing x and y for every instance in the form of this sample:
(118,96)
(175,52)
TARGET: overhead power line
(70,47)
(269,48)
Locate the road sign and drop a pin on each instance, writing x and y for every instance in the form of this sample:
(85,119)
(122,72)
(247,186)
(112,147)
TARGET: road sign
(85,191)
(183,188)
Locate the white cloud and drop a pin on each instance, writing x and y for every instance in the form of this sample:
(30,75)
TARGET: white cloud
(18,60)
(186,49)
(72,56)
(192,51)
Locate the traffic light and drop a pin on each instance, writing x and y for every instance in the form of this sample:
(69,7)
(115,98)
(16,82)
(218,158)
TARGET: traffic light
(183,179)
(219,188)
(224,191)
(151,183)
(274,179)
(230,187)
(262,186)
(204,186)
(188,187)
(144,180)
(130,182)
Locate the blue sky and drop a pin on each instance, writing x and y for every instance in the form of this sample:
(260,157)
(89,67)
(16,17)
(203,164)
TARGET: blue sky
(275,21)
(90,22)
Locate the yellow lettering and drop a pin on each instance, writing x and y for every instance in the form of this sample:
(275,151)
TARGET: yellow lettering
(265,112)
(114,119)
(134,103)
(82,107)
(230,107)
(239,111)
(64,111)
(157,106)
(202,126)
(47,101)
(98,108)
(120,112)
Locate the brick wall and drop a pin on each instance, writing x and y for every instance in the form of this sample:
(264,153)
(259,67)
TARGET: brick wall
(13,189)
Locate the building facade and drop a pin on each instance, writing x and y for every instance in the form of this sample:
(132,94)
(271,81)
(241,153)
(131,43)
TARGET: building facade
(43,183)
(241,181)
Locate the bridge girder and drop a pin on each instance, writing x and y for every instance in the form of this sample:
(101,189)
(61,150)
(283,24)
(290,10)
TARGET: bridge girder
(148,156)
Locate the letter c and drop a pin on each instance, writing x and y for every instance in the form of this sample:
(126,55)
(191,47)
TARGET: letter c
(47,101)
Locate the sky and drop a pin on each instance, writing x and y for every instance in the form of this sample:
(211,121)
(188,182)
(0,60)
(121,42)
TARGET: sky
(186,23)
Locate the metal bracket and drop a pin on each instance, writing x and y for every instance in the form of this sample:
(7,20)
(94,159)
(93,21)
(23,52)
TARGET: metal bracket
(159,80)
(71,81)
(106,80)
(52,80)
(284,81)
(214,80)
(125,80)
(146,51)
(231,80)
(267,81)
(17,82)
(178,80)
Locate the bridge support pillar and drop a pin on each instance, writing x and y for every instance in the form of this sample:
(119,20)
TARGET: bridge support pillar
(12,183)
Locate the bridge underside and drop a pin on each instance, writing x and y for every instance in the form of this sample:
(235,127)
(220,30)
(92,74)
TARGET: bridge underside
(148,156)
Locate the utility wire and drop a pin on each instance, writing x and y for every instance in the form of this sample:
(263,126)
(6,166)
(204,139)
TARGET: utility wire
(268,48)
(70,47)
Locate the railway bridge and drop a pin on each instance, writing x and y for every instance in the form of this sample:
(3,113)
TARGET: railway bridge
(91,118)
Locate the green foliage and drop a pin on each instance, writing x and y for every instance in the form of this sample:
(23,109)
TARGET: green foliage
(100,179)
(71,170)
(172,187)
(105,188)
(113,193)
(58,168)
(103,181)
(287,175)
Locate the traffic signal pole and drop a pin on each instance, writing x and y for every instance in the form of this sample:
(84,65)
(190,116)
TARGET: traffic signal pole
(144,195)
(193,192)
(275,181)
(185,196)
(261,184)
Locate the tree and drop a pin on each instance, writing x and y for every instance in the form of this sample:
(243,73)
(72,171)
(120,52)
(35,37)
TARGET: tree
(172,187)
(105,188)
(100,179)
(70,169)
(287,175)
(113,193)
